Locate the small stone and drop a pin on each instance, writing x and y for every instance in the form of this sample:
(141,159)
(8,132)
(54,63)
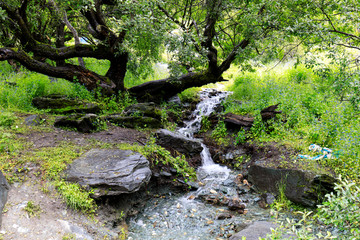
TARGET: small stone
(201,184)
(236,204)
(210,222)
(257,199)
(178,206)
(212,191)
(165,174)
(246,183)
(191,197)
(223,216)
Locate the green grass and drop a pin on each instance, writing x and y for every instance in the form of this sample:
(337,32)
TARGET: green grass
(313,112)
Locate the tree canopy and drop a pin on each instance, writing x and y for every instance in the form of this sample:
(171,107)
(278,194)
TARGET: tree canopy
(203,37)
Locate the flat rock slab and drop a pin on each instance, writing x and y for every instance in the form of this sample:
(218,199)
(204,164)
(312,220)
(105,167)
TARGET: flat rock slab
(256,230)
(110,171)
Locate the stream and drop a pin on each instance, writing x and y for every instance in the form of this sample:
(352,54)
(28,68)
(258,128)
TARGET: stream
(191,216)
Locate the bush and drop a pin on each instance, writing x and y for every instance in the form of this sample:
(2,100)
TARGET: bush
(342,209)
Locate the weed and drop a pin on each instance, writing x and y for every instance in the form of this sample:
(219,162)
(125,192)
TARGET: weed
(69,236)
(282,202)
(219,134)
(205,124)
(76,197)
(32,209)
(240,137)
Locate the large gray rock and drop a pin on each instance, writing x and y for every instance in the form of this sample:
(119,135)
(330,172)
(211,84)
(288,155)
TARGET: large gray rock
(303,187)
(110,171)
(4,189)
(256,230)
(178,142)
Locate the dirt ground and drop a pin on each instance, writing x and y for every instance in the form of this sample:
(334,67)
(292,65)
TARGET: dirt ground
(55,221)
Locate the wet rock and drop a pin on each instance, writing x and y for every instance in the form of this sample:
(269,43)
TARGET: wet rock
(229,183)
(193,185)
(268,198)
(134,121)
(174,141)
(165,174)
(110,172)
(4,189)
(303,187)
(61,104)
(236,204)
(33,120)
(223,216)
(256,230)
(84,123)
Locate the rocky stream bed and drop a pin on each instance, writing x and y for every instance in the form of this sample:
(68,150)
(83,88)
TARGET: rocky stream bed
(143,203)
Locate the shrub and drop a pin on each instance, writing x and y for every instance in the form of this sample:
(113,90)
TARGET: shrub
(342,209)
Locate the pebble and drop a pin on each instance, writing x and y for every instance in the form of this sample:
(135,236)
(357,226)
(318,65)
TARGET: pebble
(212,191)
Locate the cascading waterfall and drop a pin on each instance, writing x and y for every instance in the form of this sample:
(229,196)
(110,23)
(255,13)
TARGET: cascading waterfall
(181,217)
(209,101)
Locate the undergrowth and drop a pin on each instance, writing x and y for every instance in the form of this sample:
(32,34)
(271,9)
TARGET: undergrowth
(336,218)
(157,154)
(313,111)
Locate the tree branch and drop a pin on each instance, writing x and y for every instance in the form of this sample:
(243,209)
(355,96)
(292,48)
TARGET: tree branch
(225,65)
(70,72)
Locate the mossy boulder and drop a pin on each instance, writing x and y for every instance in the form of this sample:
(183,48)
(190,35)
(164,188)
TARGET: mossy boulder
(34,120)
(134,121)
(60,104)
(147,109)
(84,123)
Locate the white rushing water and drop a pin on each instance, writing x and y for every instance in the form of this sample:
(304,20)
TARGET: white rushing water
(210,99)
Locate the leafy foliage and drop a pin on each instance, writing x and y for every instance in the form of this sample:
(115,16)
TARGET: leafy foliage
(342,209)
(312,112)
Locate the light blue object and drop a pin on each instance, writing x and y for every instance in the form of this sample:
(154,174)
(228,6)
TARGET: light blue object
(325,153)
